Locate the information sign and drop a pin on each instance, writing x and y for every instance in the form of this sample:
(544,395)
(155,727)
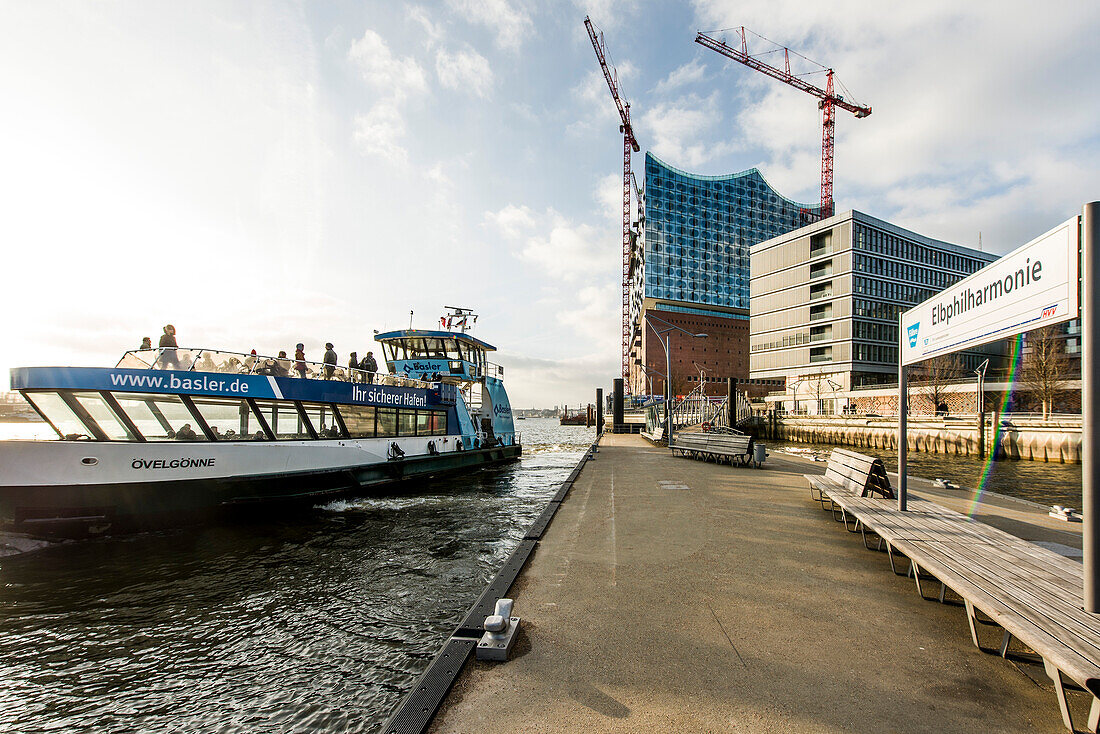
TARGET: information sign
(1033,286)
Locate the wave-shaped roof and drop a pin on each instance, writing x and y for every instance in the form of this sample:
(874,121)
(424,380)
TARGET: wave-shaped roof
(749,173)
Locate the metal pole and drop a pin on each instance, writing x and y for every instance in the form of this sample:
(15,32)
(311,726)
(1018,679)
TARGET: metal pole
(903,438)
(1090,399)
(599,410)
(668,389)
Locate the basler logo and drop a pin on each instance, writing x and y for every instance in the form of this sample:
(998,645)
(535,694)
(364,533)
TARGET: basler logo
(913,330)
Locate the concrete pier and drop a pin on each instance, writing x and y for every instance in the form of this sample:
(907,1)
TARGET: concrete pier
(671,595)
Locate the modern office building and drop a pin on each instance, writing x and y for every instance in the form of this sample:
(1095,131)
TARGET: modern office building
(691,269)
(825,301)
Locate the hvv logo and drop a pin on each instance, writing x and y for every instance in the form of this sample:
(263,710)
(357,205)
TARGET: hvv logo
(913,330)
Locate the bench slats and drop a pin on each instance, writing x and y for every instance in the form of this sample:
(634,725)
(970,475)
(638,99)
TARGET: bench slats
(1033,593)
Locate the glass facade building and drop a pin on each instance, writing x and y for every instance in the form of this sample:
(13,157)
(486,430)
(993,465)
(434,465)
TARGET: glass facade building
(826,300)
(698,231)
(691,256)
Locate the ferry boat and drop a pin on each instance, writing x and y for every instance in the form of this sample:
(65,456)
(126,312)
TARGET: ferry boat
(171,434)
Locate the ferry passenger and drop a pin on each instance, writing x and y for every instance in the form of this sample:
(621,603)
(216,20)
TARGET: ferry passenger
(168,348)
(353,367)
(282,364)
(330,360)
(186,433)
(250,362)
(369,366)
(300,360)
(146,343)
(207,364)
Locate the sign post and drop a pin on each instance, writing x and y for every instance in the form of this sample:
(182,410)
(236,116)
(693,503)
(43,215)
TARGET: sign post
(1033,286)
(1090,400)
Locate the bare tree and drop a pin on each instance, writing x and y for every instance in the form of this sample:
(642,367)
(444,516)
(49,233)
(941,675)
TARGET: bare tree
(936,374)
(1046,368)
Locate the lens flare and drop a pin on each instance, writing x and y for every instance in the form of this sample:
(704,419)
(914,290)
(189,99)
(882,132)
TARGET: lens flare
(991,450)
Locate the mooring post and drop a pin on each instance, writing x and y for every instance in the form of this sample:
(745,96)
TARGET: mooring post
(1090,399)
(731,404)
(599,411)
(617,399)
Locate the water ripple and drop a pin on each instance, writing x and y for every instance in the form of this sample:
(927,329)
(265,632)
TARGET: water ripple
(315,622)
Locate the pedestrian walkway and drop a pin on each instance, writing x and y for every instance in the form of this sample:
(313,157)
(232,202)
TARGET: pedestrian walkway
(679,596)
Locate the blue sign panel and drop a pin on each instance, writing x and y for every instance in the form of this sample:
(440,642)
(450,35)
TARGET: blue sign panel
(224,385)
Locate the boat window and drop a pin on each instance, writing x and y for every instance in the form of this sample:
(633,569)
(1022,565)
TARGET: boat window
(55,409)
(284,419)
(387,421)
(323,418)
(423,423)
(104,416)
(359,419)
(159,417)
(230,419)
(406,423)
(439,423)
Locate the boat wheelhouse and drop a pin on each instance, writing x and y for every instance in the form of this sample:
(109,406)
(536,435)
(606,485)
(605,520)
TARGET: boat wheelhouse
(174,431)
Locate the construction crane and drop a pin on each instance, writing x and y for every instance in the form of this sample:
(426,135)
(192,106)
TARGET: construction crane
(629,144)
(829,99)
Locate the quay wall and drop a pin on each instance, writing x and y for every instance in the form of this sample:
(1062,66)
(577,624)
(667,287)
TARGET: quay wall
(1029,440)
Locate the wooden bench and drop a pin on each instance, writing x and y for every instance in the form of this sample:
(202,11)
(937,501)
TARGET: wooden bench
(718,447)
(1033,594)
(849,473)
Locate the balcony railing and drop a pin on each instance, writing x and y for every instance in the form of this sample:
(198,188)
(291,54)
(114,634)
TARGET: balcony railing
(239,363)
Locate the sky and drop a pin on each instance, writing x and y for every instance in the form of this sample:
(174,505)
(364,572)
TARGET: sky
(263,173)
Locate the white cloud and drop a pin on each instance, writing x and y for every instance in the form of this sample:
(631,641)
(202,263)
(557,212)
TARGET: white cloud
(511,22)
(596,313)
(679,130)
(967,131)
(569,251)
(394,76)
(379,132)
(690,73)
(512,220)
(607,13)
(465,70)
(433,31)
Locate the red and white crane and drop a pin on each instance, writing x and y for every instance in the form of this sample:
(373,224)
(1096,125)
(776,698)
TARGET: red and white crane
(629,144)
(829,99)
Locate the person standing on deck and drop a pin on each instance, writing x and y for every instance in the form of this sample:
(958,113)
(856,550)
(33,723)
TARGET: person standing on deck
(330,360)
(353,367)
(370,366)
(168,345)
(300,360)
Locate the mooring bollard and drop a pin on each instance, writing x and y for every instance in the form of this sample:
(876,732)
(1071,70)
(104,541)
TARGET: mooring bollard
(500,632)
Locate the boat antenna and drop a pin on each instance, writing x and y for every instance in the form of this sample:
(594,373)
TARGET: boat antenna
(410,320)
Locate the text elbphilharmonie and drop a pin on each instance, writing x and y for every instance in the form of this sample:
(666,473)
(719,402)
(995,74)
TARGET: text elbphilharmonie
(968,298)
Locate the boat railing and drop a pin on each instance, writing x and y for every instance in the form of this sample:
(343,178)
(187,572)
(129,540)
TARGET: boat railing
(240,363)
(494,370)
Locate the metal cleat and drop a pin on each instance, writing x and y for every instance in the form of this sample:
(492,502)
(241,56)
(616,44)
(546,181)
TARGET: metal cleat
(500,633)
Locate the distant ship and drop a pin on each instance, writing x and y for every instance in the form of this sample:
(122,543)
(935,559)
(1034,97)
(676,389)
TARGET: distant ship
(168,434)
(584,416)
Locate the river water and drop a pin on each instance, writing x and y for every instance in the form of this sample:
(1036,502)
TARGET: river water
(1036,481)
(316,621)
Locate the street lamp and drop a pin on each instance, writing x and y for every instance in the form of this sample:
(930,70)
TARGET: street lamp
(649,377)
(980,372)
(660,333)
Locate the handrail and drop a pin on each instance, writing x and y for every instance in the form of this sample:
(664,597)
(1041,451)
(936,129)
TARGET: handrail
(189,359)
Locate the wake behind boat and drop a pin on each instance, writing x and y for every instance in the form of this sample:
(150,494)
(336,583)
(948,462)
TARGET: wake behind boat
(140,445)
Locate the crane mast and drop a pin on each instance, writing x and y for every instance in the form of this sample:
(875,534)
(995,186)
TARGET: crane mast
(829,101)
(629,144)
